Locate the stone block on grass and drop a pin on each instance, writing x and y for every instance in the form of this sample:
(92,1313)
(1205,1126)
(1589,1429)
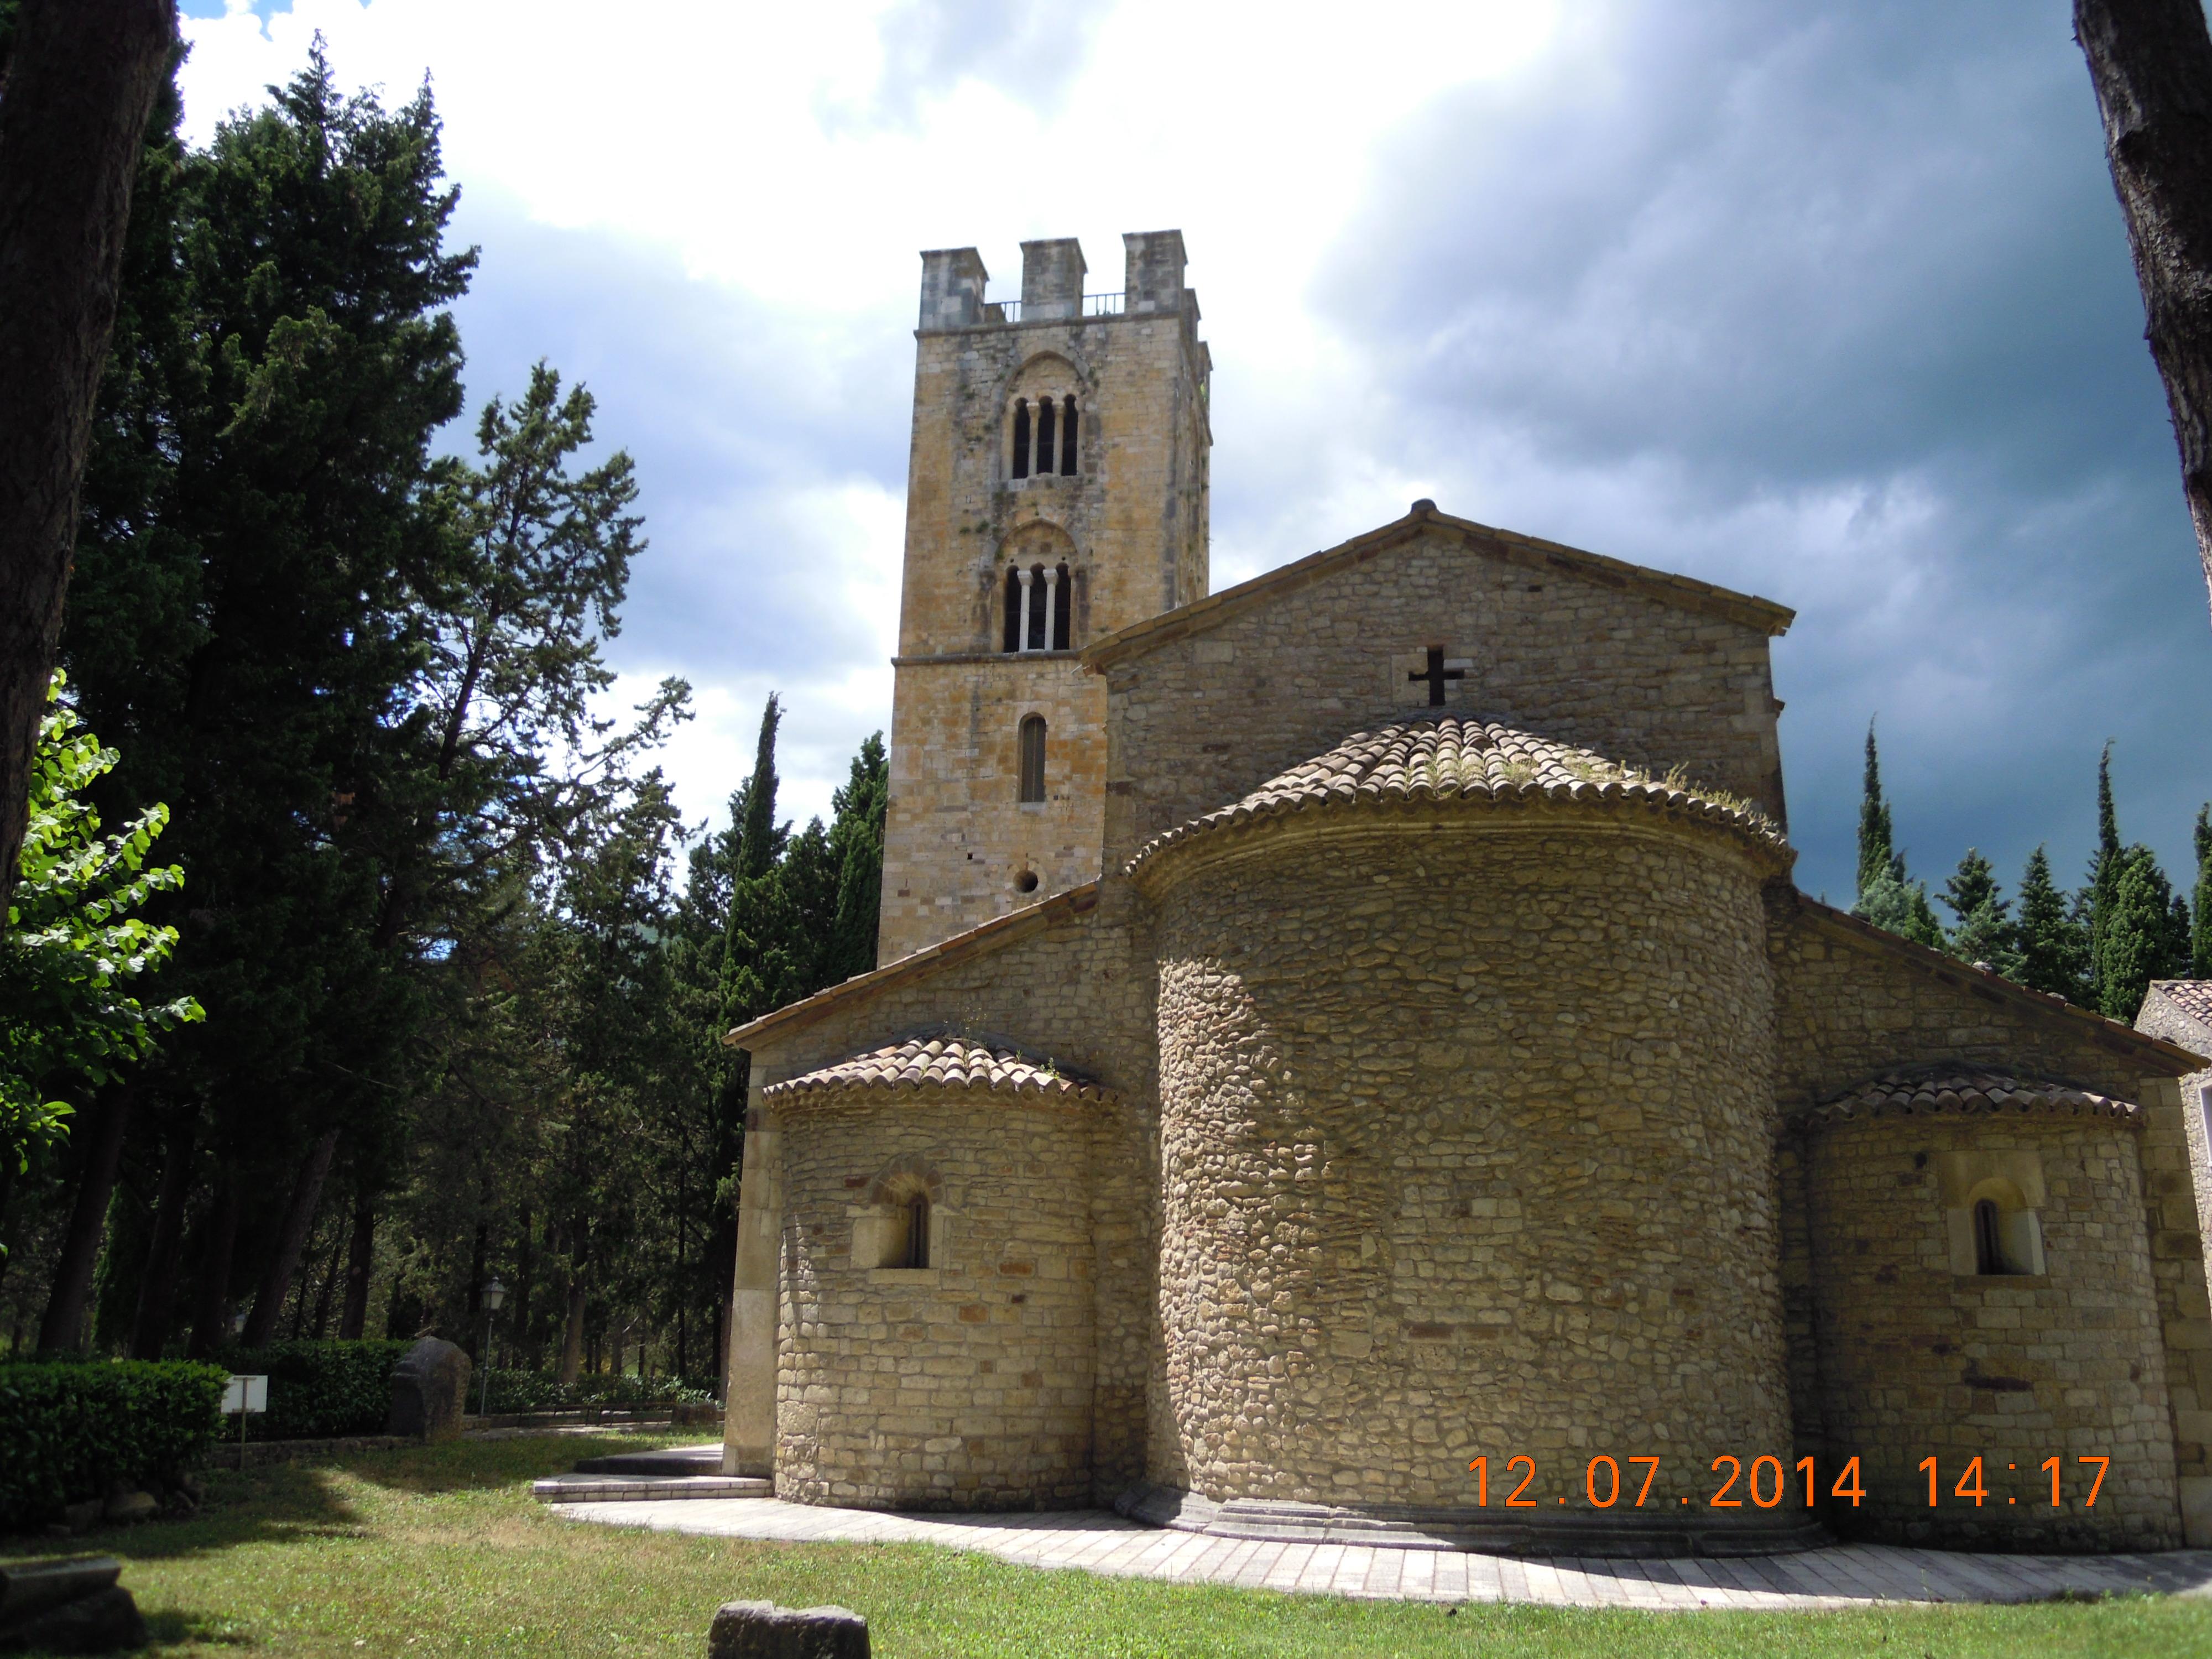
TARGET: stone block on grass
(762,1630)
(429,1390)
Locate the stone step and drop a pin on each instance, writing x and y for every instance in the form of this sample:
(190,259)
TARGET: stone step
(646,1488)
(671,1460)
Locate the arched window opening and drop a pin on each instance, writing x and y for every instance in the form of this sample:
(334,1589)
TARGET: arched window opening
(1032,757)
(914,1237)
(1016,594)
(1044,435)
(1067,439)
(1022,437)
(1063,601)
(1989,1238)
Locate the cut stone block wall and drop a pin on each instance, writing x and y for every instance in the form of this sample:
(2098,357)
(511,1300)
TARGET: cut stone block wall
(963,1384)
(1917,1360)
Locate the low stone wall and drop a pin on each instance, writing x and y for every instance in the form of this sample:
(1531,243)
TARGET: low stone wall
(1918,1359)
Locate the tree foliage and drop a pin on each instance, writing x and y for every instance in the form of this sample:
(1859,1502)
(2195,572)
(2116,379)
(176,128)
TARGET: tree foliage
(75,943)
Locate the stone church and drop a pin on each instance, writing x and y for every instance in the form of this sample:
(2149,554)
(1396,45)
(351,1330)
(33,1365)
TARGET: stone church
(1348,1059)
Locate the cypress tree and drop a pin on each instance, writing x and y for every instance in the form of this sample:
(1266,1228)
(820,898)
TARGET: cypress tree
(2200,951)
(2139,942)
(856,839)
(1876,856)
(2053,946)
(2103,864)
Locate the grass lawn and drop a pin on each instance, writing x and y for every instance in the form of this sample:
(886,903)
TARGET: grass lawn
(442,1549)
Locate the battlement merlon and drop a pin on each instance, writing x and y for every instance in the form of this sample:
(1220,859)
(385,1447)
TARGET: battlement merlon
(1154,268)
(1052,280)
(952,281)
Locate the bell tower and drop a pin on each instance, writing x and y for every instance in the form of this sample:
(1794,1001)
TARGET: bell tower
(1056,491)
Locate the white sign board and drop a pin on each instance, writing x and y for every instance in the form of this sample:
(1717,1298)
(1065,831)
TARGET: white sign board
(245,1394)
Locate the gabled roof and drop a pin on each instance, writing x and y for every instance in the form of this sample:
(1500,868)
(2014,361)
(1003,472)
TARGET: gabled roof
(1200,615)
(1443,758)
(1920,1090)
(945,1062)
(986,936)
(2192,997)
(2107,1034)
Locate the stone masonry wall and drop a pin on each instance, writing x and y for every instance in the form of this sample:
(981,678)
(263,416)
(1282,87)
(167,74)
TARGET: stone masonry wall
(1132,525)
(1067,992)
(964,844)
(1466,1139)
(1918,1361)
(1849,1006)
(1197,722)
(965,1385)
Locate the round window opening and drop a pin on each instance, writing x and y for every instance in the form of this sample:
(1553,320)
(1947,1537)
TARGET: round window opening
(1026,882)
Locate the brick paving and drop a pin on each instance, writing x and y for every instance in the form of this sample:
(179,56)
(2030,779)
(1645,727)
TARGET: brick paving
(1097,1541)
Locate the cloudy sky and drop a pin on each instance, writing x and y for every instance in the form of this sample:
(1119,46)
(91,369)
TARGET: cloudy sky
(1826,299)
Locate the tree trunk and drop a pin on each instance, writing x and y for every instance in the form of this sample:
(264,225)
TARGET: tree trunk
(82,80)
(330,1284)
(211,1308)
(62,1331)
(475,1333)
(291,1240)
(360,1255)
(2150,62)
(572,1338)
(157,1285)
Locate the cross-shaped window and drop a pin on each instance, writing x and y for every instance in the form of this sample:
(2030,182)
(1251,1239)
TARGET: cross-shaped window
(1438,671)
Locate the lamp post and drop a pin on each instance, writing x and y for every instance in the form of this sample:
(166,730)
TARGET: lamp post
(494,1294)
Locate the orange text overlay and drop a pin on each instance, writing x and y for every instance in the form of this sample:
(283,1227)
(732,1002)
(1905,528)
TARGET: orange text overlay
(1767,1483)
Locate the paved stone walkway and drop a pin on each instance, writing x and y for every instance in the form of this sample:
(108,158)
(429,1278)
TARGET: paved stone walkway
(1097,1541)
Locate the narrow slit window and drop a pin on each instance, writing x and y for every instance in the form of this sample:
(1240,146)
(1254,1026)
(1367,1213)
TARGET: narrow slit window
(1989,1239)
(916,1253)
(1044,436)
(1040,610)
(1062,604)
(1021,437)
(1013,610)
(1032,748)
(1067,440)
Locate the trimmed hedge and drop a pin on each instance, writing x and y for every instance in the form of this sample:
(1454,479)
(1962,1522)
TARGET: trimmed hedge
(535,1391)
(67,1431)
(318,1390)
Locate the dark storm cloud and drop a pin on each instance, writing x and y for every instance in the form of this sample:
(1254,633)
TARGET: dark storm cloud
(1835,306)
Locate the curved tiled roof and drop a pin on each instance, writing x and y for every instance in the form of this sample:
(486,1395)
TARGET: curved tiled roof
(942,1063)
(1922,1091)
(1449,759)
(2192,996)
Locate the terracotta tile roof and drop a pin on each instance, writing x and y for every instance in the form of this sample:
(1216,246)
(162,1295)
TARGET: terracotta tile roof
(943,1063)
(1923,1091)
(1449,759)
(2192,996)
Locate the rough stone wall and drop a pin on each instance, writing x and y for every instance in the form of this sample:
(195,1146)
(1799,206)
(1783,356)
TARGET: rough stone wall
(1919,1361)
(1132,524)
(1068,991)
(2161,1018)
(965,1385)
(1198,721)
(1465,1143)
(1848,1006)
(959,844)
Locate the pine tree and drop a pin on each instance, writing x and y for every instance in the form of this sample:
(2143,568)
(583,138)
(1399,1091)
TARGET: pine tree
(1877,858)
(2200,950)
(2140,942)
(2053,945)
(1984,933)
